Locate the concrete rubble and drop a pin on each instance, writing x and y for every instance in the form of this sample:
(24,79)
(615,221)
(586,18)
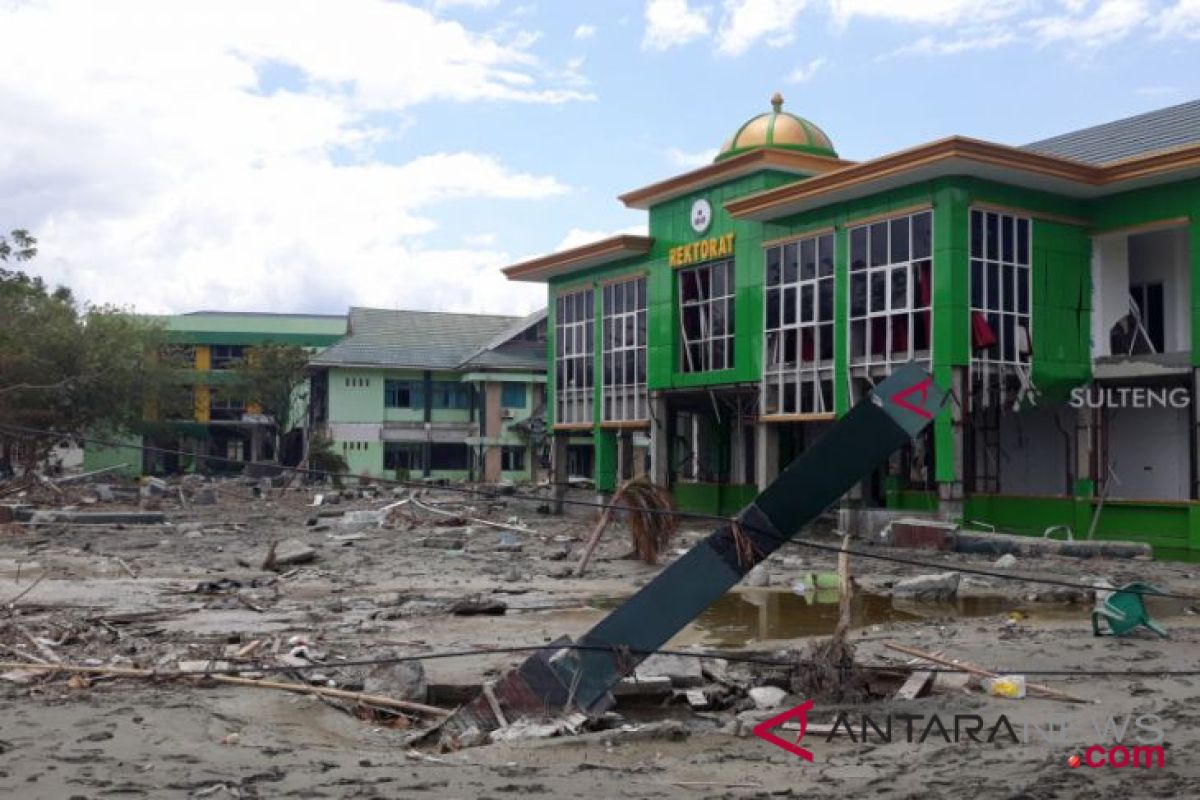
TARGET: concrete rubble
(246,591)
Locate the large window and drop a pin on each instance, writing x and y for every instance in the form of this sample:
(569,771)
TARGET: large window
(225,356)
(403,455)
(574,362)
(624,324)
(449,456)
(891,288)
(798,362)
(403,394)
(450,394)
(1000,302)
(512,395)
(512,458)
(706,314)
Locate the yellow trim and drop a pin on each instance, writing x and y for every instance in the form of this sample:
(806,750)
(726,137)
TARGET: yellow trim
(202,401)
(826,416)
(881,216)
(203,358)
(625,424)
(1145,227)
(797,237)
(1000,208)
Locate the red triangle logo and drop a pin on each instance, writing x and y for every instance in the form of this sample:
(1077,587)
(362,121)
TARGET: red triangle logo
(900,397)
(763,730)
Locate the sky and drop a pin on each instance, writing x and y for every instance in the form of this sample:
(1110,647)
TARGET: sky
(302,156)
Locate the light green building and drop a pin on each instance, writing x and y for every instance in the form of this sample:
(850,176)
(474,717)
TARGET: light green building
(780,282)
(221,429)
(417,394)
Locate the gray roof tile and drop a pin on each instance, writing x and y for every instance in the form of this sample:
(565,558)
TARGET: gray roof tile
(415,339)
(1125,138)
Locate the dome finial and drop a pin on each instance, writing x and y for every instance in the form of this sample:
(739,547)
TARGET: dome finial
(777,102)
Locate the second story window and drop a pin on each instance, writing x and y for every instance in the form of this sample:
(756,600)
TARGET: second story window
(624,325)
(512,395)
(448,394)
(403,394)
(574,358)
(706,316)
(227,356)
(798,322)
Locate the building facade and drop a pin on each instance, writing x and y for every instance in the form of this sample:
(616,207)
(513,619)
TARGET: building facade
(780,282)
(218,429)
(416,395)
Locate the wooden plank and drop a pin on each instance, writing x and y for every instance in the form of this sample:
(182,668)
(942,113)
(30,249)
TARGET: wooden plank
(915,686)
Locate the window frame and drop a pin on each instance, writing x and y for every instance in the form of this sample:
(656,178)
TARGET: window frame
(787,283)
(624,392)
(574,320)
(704,307)
(997,373)
(870,365)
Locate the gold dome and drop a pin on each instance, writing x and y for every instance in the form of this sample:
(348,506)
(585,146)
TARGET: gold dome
(777,128)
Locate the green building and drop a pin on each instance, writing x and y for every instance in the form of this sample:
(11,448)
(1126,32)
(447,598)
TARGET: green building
(416,394)
(220,424)
(780,282)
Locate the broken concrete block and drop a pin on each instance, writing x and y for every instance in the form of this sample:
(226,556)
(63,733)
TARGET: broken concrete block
(1005,561)
(683,672)
(654,686)
(526,729)
(767,696)
(404,680)
(928,587)
(758,576)
(921,534)
(293,551)
(204,496)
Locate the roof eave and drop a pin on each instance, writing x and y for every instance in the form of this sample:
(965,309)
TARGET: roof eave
(1073,177)
(729,168)
(605,251)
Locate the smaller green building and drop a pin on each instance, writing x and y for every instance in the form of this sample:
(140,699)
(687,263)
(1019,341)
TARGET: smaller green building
(418,394)
(221,427)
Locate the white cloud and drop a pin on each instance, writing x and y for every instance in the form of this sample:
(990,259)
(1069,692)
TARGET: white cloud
(936,12)
(685,160)
(747,21)
(1157,91)
(1106,22)
(972,43)
(138,143)
(672,23)
(1180,20)
(806,72)
(476,4)
(585,32)
(578,237)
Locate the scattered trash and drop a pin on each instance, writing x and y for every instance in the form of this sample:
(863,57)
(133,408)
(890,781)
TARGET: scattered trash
(1011,686)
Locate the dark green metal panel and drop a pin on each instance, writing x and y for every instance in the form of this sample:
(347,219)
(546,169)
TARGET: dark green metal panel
(895,411)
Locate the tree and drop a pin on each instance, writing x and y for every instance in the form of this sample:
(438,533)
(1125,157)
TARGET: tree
(67,370)
(22,247)
(274,377)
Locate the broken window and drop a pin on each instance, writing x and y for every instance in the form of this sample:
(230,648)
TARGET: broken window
(891,292)
(403,456)
(798,358)
(512,459)
(706,314)
(574,362)
(449,456)
(1001,299)
(624,326)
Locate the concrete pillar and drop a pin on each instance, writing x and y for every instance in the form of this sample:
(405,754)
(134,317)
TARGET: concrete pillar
(624,456)
(1194,410)
(558,467)
(950,492)
(766,454)
(660,440)
(493,424)
(256,435)
(1086,471)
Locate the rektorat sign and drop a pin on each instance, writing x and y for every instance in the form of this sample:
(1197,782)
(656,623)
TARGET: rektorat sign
(703,250)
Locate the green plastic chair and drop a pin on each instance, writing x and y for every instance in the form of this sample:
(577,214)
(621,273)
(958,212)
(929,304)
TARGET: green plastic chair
(1125,609)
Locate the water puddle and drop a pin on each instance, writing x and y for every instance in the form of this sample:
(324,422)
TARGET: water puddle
(750,615)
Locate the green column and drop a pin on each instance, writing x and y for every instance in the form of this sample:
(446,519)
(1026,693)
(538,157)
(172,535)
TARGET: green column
(950,302)
(605,459)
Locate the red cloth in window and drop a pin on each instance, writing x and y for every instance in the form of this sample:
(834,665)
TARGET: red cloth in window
(982,335)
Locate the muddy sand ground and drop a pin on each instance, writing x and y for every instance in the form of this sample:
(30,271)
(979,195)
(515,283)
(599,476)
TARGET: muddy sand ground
(128,597)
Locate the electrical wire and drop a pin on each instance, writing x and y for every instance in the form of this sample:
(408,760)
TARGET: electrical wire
(492,494)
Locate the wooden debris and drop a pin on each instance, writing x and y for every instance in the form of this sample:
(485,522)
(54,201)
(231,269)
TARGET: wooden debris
(1032,688)
(299,688)
(915,686)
